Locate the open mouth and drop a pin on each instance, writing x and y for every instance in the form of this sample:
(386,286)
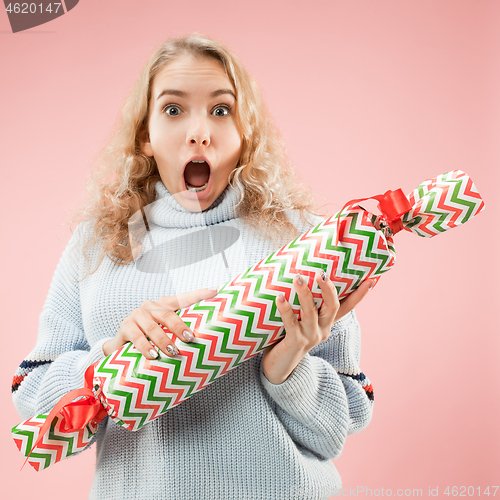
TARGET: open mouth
(196,175)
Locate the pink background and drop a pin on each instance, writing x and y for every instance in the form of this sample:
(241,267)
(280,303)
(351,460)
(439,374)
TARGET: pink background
(370,95)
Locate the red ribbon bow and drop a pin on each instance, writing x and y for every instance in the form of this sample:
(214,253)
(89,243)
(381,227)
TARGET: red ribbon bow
(392,204)
(75,414)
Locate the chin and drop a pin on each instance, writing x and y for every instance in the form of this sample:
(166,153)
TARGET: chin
(192,205)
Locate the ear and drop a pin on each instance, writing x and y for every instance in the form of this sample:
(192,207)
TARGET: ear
(145,141)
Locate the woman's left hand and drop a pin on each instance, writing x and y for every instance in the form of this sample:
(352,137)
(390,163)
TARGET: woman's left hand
(279,360)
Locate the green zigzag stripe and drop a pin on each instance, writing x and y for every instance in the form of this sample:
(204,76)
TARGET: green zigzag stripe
(440,222)
(428,201)
(29,435)
(260,338)
(105,369)
(415,222)
(151,398)
(309,247)
(127,396)
(70,440)
(370,252)
(225,349)
(440,217)
(421,190)
(455,197)
(303,249)
(47,457)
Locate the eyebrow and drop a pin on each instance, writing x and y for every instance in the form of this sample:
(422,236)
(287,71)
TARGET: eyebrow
(180,93)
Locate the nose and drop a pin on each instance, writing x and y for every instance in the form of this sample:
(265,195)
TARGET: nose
(198,132)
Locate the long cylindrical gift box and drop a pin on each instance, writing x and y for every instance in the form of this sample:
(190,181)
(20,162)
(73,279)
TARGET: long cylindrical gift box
(242,319)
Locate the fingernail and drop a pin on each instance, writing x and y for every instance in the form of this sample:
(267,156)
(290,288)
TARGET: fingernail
(324,277)
(213,288)
(188,335)
(372,284)
(153,353)
(300,281)
(172,350)
(281,297)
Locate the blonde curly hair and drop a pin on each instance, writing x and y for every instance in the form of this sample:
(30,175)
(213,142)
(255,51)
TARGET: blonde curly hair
(124,179)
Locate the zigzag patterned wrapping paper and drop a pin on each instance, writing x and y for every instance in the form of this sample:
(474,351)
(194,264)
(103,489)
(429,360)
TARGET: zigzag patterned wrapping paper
(55,445)
(242,319)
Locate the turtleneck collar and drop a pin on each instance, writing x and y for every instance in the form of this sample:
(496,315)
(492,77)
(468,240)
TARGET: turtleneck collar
(167,212)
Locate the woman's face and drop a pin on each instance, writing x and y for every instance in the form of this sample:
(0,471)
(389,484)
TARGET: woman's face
(193,134)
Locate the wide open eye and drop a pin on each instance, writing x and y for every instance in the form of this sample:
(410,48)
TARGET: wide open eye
(172,110)
(221,111)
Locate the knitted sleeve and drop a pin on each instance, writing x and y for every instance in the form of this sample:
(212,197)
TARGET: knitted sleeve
(326,397)
(343,350)
(61,355)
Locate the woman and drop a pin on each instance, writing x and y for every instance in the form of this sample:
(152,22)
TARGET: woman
(195,148)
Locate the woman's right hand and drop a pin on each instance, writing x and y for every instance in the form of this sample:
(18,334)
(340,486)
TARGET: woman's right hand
(144,320)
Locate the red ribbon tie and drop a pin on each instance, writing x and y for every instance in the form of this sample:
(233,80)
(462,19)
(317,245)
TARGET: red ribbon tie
(75,414)
(392,204)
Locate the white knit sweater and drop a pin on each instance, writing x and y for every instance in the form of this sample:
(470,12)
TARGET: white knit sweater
(240,438)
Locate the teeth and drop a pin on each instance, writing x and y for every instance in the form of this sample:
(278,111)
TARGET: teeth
(196,189)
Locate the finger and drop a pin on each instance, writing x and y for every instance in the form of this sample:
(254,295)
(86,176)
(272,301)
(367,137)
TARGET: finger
(354,298)
(165,317)
(174,324)
(287,315)
(133,333)
(331,305)
(182,300)
(149,326)
(308,307)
